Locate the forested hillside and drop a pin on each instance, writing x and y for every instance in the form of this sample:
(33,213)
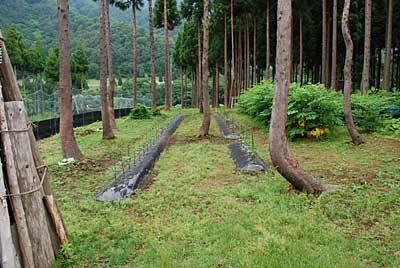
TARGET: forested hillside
(40,23)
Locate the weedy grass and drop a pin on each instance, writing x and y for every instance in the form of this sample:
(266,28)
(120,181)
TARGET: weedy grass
(200,212)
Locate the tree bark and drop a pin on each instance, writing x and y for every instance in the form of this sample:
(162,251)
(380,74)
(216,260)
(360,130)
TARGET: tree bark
(378,69)
(324,41)
(206,103)
(367,48)
(232,58)
(152,58)
(334,46)
(111,76)
(216,100)
(268,49)
(280,154)
(301,50)
(105,115)
(182,88)
(68,143)
(134,71)
(255,52)
(168,93)
(226,80)
(388,47)
(247,67)
(199,76)
(355,136)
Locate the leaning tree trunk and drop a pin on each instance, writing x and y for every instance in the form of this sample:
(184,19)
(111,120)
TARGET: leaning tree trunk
(268,49)
(367,48)
(281,157)
(388,47)
(134,71)
(355,136)
(152,58)
(205,126)
(68,143)
(334,46)
(168,101)
(226,81)
(111,77)
(105,115)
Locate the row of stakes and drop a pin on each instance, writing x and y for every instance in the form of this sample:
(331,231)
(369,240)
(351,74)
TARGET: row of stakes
(243,134)
(144,148)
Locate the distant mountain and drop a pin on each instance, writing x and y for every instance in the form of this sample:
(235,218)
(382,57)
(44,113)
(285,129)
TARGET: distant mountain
(37,20)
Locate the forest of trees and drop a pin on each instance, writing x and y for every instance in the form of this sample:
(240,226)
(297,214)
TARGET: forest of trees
(39,26)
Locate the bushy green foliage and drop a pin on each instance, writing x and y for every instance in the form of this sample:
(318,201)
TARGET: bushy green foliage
(309,108)
(142,112)
(392,126)
(370,112)
(155,112)
(313,108)
(139,112)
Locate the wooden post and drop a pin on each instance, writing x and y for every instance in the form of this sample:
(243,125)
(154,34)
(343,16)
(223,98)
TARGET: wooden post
(11,92)
(19,213)
(28,181)
(8,256)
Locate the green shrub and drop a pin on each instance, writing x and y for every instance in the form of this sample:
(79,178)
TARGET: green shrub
(139,112)
(369,112)
(155,112)
(391,126)
(310,109)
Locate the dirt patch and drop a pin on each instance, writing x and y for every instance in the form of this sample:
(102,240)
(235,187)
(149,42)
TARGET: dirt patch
(148,181)
(85,132)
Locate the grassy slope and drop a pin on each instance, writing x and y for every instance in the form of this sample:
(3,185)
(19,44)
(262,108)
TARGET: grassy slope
(199,212)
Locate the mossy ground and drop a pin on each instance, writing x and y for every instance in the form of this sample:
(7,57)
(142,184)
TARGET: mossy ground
(199,212)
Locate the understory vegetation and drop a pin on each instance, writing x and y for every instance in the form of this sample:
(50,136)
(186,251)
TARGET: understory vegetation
(200,212)
(314,111)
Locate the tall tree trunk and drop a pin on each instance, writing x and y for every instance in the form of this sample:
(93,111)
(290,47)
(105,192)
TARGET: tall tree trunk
(255,52)
(182,89)
(378,69)
(199,77)
(168,100)
(111,77)
(240,61)
(388,47)
(206,103)
(355,136)
(134,71)
(324,42)
(301,50)
(105,115)
(232,58)
(247,53)
(68,143)
(267,71)
(216,100)
(152,58)
(280,154)
(334,46)
(367,48)
(226,80)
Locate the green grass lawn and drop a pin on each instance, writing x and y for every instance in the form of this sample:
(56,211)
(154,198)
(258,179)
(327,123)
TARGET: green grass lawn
(199,212)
